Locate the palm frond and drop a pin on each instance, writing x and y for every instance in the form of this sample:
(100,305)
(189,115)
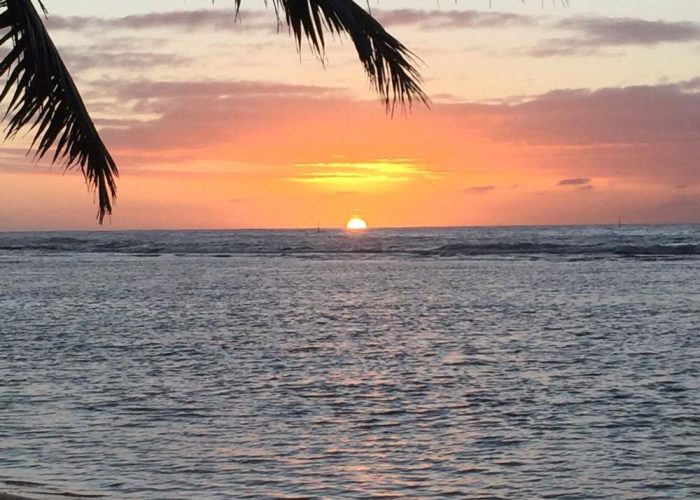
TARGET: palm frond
(391,67)
(43,98)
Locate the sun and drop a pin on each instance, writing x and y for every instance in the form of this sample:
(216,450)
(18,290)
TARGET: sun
(356,224)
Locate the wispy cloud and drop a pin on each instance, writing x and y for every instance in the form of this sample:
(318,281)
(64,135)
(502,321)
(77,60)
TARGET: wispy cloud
(479,189)
(589,35)
(451,19)
(80,60)
(574,182)
(225,19)
(209,19)
(600,31)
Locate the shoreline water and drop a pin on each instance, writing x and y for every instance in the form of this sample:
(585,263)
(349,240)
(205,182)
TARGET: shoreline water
(11,491)
(9,494)
(36,489)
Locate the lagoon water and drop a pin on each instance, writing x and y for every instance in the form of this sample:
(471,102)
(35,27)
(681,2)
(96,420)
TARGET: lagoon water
(475,363)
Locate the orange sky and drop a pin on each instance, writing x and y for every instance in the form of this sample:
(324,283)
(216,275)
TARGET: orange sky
(551,116)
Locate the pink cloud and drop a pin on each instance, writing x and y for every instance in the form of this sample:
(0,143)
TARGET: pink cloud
(641,132)
(591,34)
(210,19)
(451,19)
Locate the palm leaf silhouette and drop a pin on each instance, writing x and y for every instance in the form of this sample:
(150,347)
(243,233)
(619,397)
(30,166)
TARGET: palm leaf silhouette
(41,96)
(388,63)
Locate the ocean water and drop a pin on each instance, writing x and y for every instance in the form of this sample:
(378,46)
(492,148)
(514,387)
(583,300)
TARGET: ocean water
(473,363)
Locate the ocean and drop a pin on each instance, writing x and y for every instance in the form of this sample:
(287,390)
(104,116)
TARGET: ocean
(524,362)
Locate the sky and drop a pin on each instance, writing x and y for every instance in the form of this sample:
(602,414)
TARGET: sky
(541,113)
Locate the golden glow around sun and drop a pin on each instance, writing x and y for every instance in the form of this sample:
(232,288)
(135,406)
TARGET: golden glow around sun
(356,224)
(362,176)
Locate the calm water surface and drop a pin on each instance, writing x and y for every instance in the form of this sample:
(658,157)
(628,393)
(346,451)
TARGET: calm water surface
(509,363)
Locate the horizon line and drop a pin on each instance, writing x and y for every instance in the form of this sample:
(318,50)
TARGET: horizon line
(341,228)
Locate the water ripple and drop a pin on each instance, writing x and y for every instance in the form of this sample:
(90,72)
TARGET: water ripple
(263,376)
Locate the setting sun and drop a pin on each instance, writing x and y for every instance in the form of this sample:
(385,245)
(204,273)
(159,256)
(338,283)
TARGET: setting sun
(356,224)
